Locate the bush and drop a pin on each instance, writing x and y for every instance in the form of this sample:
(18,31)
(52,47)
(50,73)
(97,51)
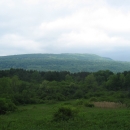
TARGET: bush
(6,105)
(88,104)
(93,99)
(65,113)
(79,102)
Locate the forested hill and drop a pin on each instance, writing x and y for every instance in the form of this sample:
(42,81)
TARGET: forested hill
(63,62)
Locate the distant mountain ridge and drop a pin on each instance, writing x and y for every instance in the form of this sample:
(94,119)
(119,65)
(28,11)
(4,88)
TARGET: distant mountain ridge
(62,62)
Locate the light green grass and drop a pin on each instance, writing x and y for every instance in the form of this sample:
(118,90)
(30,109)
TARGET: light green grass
(39,117)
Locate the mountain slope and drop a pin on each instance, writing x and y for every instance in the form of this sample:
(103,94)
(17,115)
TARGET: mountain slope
(62,62)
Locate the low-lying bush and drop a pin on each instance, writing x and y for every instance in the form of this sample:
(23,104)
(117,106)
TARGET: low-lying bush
(65,113)
(6,105)
(88,104)
(79,102)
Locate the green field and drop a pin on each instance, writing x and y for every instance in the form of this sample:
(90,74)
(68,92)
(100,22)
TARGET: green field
(40,117)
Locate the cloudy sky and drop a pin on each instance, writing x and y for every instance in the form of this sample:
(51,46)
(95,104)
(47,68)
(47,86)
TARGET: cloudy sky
(99,27)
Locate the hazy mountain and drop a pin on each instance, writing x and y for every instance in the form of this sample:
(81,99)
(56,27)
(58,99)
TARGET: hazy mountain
(63,62)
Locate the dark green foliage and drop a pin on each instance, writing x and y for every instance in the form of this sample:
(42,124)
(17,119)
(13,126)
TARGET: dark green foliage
(6,105)
(88,104)
(93,99)
(79,102)
(96,86)
(65,113)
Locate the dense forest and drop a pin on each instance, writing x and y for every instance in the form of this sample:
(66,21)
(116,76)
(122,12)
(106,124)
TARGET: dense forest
(63,62)
(19,86)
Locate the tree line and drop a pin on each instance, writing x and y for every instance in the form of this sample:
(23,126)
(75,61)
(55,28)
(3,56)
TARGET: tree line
(19,86)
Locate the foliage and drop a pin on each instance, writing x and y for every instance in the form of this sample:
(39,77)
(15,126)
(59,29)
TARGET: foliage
(65,113)
(88,104)
(21,86)
(79,102)
(6,105)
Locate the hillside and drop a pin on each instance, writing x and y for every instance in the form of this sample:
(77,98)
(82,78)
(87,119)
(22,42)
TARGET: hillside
(62,62)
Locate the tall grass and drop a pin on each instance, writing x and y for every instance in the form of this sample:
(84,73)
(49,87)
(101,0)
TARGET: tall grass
(109,105)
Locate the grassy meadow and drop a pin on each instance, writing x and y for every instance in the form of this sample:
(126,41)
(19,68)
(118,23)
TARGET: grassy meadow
(104,116)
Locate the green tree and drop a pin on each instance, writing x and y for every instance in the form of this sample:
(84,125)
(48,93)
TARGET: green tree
(6,105)
(5,87)
(113,83)
(91,83)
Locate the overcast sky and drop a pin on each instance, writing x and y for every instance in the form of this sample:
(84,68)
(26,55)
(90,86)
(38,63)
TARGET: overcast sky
(99,27)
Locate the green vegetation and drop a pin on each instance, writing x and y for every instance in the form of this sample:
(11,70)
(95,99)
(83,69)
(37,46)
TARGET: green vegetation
(40,117)
(65,113)
(6,105)
(33,87)
(37,100)
(63,62)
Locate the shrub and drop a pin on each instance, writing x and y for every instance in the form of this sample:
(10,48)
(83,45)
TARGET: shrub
(79,102)
(6,105)
(65,113)
(93,99)
(88,104)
